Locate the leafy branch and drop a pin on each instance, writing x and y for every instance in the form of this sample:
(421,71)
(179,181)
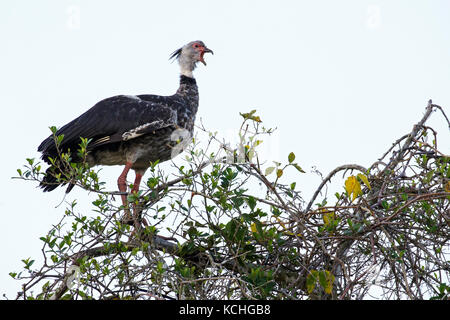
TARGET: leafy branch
(222,227)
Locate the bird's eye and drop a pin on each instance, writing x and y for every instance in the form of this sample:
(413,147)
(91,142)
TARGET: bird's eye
(196,45)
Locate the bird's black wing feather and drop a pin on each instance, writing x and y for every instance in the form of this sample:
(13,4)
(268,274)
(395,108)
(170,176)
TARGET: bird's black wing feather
(115,119)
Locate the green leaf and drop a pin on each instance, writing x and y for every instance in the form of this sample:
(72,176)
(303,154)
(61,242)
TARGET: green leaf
(326,280)
(291,157)
(28,263)
(251,202)
(59,139)
(298,167)
(187,181)
(250,115)
(311,280)
(385,205)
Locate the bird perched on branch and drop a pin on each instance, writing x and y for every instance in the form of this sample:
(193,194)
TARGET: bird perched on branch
(130,130)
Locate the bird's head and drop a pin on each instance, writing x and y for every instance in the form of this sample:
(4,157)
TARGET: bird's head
(189,55)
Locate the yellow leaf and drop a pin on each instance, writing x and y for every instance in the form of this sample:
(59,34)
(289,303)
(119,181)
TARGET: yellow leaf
(326,279)
(327,217)
(289,233)
(447,187)
(253,228)
(279,173)
(353,187)
(364,180)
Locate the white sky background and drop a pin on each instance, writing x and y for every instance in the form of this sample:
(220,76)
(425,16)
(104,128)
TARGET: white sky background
(340,79)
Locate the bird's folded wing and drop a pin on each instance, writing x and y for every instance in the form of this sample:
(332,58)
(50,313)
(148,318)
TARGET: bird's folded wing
(115,119)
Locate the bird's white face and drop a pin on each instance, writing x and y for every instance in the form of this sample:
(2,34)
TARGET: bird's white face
(198,49)
(190,54)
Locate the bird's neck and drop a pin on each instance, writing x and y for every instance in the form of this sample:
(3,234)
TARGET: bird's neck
(186,66)
(186,73)
(188,87)
(188,92)
(187,95)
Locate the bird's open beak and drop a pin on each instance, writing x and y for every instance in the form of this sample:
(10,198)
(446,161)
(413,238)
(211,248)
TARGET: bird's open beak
(203,52)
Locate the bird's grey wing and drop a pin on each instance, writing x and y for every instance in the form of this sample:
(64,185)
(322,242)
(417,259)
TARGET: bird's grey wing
(114,119)
(136,119)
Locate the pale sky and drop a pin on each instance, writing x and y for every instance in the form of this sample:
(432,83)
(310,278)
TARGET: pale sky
(341,80)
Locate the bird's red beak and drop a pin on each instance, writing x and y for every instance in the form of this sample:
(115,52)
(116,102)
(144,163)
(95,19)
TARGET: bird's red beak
(205,50)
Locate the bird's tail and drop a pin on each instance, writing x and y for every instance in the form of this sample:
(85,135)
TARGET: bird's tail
(51,182)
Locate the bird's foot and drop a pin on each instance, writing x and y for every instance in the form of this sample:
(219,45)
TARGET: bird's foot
(166,238)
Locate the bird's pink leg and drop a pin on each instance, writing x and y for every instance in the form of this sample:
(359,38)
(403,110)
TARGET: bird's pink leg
(137,182)
(122,184)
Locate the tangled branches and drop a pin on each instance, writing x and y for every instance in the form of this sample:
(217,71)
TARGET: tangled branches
(237,231)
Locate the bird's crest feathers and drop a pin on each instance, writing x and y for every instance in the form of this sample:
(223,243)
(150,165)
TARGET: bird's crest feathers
(175,54)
